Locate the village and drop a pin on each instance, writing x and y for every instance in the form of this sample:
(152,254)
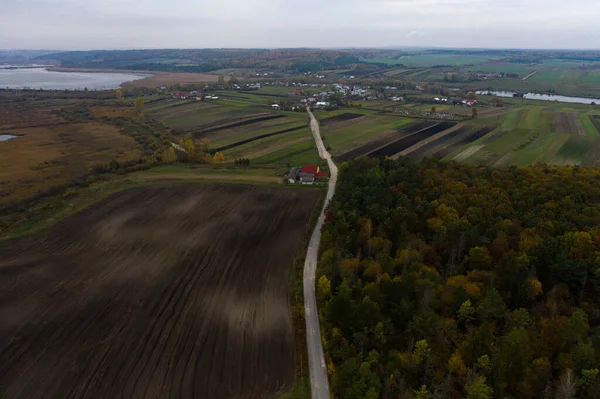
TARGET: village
(336,95)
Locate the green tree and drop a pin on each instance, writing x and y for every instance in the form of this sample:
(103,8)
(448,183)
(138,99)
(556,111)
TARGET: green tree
(478,389)
(466,313)
(422,393)
(221,81)
(324,287)
(492,307)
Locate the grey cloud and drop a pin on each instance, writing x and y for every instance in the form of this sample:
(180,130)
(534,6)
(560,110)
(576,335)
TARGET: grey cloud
(81,24)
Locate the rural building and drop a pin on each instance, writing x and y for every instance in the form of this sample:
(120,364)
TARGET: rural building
(276,107)
(310,168)
(306,178)
(306,175)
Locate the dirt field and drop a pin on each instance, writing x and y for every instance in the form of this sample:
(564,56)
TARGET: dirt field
(339,118)
(568,124)
(380,142)
(157,292)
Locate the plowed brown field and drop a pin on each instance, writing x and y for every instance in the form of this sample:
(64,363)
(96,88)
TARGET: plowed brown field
(157,292)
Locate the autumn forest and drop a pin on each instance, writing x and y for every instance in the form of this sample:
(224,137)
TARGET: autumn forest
(442,280)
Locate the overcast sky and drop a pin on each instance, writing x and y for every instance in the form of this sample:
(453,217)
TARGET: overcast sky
(120,24)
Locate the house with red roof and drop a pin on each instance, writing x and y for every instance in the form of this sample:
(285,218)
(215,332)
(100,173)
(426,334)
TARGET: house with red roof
(310,168)
(314,170)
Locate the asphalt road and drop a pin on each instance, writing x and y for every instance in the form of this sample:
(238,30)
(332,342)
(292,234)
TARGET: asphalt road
(316,361)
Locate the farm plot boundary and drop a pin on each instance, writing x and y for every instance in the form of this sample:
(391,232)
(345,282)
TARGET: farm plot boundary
(468,139)
(379,143)
(262,136)
(406,142)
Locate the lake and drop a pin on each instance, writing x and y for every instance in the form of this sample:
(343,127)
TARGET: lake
(6,137)
(542,97)
(41,78)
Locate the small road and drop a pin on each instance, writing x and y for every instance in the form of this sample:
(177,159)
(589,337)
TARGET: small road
(316,360)
(531,74)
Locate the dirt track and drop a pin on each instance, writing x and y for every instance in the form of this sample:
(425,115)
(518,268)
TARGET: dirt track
(157,292)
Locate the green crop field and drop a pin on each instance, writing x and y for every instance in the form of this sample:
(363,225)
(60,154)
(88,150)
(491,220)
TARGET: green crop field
(573,150)
(506,67)
(340,138)
(295,155)
(424,60)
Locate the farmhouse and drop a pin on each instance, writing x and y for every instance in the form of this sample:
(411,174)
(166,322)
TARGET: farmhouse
(276,107)
(306,174)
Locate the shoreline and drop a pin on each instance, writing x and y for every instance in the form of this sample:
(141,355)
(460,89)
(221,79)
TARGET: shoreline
(151,79)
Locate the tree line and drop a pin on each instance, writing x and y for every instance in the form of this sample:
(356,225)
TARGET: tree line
(443,280)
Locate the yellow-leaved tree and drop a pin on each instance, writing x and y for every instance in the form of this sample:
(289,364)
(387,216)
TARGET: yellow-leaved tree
(169,156)
(139,105)
(219,157)
(205,145)
(119,94)
(190,148)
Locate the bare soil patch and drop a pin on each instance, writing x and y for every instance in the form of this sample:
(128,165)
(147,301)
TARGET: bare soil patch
(568,123)
(406,142)
(384,140)
(339,118)
(468,138)
(164,291)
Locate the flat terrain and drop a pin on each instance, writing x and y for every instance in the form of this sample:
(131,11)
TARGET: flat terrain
(163,291)
(61,137)
(170,79)
(242,125)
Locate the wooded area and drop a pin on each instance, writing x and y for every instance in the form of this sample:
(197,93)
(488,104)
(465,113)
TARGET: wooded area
(442,280)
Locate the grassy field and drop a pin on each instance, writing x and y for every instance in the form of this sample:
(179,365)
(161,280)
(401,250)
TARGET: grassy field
(529,135)
(424,60)
(62,139)
(345,135)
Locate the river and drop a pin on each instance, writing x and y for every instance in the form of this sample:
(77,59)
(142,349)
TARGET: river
(542,97)
(41,78)
(6,137)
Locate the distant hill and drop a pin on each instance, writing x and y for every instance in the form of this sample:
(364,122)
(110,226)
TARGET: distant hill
(21,56)
(203,60)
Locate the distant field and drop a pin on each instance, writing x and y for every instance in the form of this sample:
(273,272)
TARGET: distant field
(243,125)
(523,132)
(344,135)
(424,60)
(506,67)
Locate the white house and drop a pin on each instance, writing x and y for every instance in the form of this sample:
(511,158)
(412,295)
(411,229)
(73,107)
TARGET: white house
(276,107)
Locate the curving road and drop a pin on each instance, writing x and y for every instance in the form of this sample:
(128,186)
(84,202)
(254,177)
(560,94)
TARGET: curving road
(316,360)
